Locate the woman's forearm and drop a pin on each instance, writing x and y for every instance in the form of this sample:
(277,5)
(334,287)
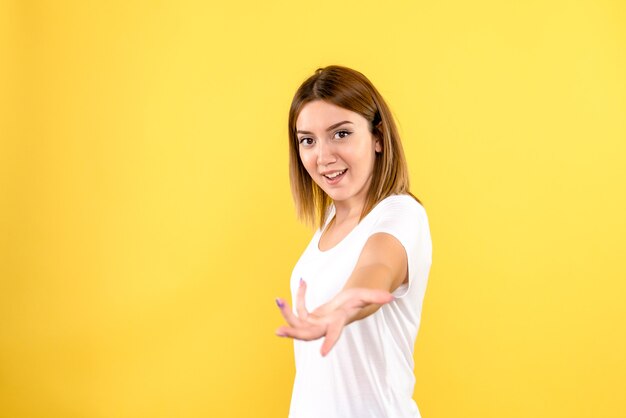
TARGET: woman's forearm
(374,276)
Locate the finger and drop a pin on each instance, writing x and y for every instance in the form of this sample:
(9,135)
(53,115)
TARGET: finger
(332,336)
(300,305)
(301,333)
(287,313)
(317,320)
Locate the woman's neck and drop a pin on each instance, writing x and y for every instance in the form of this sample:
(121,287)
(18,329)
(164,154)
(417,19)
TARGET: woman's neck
(350,209)
(345,212)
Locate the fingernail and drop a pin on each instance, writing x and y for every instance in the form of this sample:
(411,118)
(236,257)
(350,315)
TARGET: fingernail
(280,303)
(301,281)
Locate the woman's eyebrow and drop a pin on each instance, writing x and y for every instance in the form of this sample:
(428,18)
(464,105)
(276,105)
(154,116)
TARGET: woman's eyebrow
(330,128)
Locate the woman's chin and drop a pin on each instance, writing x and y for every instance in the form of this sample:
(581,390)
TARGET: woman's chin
(336,197)
(333,193)
(337,194)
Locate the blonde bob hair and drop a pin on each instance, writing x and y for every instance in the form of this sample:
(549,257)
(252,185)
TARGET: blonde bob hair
(350,90)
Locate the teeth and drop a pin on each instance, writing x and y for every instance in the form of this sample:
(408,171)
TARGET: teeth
(332,176)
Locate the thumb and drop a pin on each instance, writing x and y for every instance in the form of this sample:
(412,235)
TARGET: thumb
(332,336)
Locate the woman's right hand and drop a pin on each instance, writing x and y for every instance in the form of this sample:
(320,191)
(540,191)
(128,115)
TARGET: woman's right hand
(329,319)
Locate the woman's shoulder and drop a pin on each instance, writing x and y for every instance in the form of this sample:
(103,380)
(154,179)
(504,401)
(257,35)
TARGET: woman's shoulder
(401,203)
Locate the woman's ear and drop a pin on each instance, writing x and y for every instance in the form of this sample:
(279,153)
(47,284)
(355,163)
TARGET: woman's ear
(378,146)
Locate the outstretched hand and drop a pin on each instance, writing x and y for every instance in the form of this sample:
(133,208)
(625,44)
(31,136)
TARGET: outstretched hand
(329,319)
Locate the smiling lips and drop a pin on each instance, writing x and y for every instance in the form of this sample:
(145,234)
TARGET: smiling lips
(334,177)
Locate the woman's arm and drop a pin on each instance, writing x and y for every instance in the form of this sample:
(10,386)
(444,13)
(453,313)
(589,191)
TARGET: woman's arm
(382,265)
(381,268)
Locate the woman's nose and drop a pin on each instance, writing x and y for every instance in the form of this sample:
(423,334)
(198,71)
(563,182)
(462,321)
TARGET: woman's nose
(325,154)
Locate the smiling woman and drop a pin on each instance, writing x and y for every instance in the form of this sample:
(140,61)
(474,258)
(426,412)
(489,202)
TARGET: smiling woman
(363,275)
(340,161)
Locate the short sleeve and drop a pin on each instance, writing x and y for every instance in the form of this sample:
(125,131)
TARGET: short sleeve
(405,218)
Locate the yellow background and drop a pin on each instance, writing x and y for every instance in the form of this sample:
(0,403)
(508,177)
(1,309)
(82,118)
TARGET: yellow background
(146,223)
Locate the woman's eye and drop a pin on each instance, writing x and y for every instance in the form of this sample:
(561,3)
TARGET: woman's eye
(306,141)
(342,134)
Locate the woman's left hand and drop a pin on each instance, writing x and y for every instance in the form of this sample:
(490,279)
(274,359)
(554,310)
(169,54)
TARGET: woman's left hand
(329,319)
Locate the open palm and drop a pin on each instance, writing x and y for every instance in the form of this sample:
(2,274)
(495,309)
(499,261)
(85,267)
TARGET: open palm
(329,319)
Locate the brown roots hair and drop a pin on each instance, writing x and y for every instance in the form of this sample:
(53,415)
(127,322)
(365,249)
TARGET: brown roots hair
(351,90)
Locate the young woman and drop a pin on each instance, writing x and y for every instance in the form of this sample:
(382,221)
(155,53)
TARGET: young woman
(359,285)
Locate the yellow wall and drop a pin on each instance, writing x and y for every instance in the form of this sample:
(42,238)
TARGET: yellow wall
(146,223)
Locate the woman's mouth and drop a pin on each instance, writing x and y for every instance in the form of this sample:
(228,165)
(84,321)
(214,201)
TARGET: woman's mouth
(334,178)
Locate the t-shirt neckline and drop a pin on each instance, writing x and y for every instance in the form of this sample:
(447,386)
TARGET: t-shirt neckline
(331,216)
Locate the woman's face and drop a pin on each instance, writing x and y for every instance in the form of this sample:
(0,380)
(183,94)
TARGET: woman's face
(337,150)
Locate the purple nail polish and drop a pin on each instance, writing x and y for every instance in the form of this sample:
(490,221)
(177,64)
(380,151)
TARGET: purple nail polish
(301,281)
(279,303)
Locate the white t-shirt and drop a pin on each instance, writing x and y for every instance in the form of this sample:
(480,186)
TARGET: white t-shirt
(369,372)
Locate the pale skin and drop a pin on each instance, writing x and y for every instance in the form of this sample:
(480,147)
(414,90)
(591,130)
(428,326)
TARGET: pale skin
(327,147)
